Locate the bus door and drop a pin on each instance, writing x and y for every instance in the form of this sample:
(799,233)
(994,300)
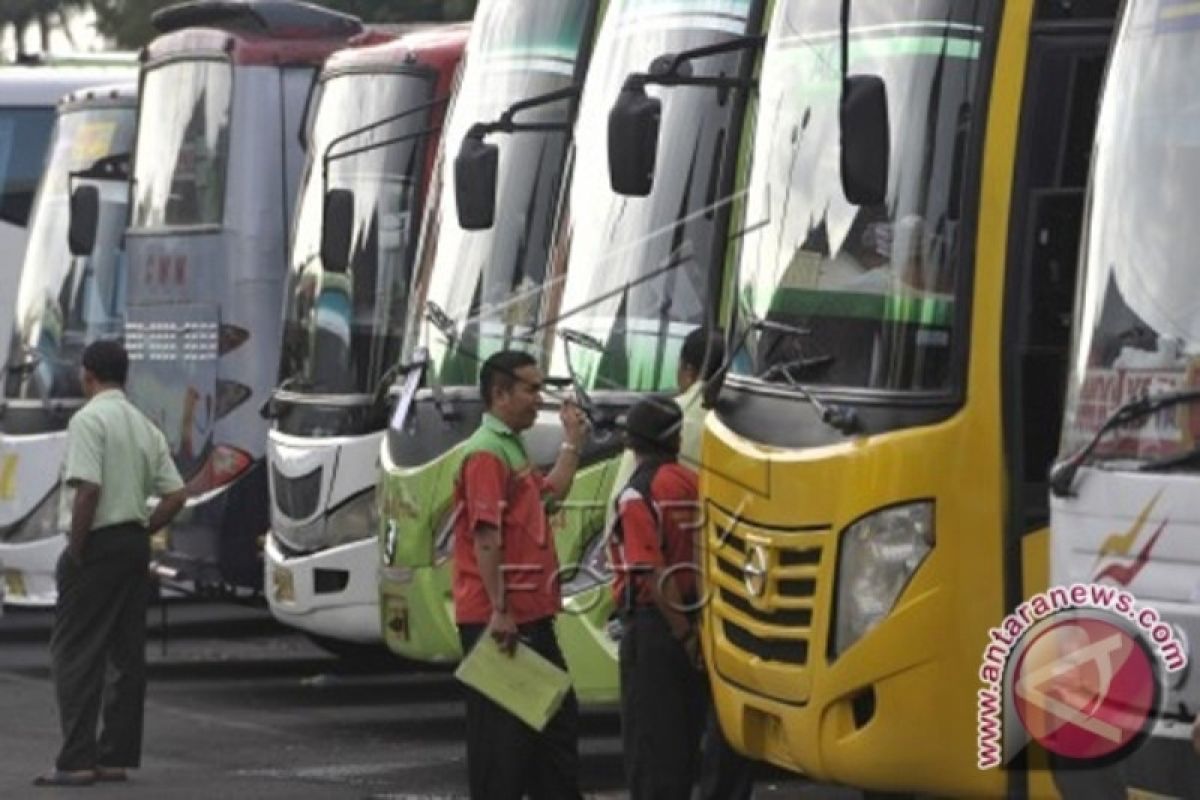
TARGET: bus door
(1063,79)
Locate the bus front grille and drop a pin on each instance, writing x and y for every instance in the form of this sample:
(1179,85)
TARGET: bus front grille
(764,588)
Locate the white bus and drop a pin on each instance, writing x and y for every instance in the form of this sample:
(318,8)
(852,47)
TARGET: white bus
(66,298)
(28,96)
(1125,494)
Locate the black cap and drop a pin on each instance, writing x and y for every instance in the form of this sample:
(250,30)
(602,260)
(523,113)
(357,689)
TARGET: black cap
(654,424)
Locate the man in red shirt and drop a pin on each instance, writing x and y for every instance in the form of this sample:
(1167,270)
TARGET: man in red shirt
(654,559)
(506,579)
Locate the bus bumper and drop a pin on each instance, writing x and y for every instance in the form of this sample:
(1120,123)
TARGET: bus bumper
(329,593)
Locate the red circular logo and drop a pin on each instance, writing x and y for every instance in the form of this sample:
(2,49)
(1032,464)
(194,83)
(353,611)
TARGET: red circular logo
(1085,688)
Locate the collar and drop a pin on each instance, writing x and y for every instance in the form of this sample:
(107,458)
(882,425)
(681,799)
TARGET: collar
(495,425)
(109,394)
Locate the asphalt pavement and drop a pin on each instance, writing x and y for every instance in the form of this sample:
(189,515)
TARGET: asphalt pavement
(240,707)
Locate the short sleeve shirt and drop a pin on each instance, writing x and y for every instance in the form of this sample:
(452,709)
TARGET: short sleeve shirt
(498,487)
(661,539)
(113,445)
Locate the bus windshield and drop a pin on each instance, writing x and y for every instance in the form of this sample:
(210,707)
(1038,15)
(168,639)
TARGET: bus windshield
(639,272)
(63,301)
(1138,324)
(874,287)
(342,330)
(490,281)
(23,139)
(183,145)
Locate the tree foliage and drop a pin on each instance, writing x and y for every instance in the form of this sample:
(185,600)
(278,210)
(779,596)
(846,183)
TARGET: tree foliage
(22,15)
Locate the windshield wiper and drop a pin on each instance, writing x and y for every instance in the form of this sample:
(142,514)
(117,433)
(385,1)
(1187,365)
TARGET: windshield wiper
(441,320)
(1170,462)
(582,339)
(1062,474)
(571,336)
(714,384)
(844,420)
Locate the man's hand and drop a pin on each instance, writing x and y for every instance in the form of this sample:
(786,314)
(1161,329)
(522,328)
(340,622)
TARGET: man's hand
(165,511)
(504,631)
(574,423)
(575,433)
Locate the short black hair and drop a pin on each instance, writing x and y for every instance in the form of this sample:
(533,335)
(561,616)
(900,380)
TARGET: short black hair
(499,372)
(653,427)
(703,351)
(107,360)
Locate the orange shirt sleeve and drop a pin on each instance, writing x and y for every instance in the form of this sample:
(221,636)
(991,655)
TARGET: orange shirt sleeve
(484,478)
(641,534)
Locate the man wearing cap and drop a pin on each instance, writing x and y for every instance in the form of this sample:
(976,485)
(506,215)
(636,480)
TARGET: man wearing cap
(116,461)
(506,579)
(653,555)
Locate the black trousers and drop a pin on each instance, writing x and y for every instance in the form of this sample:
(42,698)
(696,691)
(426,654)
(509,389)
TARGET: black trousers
(725,774)
(663,703)
(99,628)
(508,760)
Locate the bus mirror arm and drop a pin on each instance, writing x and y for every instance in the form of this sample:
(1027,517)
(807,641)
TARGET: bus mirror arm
(675,69)
(477,165)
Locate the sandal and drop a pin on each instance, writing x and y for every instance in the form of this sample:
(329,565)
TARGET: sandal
(62,777)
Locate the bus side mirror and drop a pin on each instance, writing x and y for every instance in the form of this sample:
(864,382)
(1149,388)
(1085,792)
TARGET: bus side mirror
(866,140)
(336,229)
(85,219)
(476,170)
(633,126)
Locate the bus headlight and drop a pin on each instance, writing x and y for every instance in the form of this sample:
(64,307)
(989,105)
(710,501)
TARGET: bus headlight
(878,556)
(353,521)
(42,522)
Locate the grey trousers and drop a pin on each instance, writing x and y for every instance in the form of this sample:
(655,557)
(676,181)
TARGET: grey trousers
(100,631)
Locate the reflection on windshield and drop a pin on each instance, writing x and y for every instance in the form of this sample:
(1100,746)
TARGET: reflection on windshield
(1138,330)
(23,140)
(491,281)
(875,285)
(343,329)
(640,271)
(64,302)
(183,145)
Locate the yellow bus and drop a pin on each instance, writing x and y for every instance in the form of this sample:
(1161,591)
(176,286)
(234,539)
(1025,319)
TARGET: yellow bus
(875,458)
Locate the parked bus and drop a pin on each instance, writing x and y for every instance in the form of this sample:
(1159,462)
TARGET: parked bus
(71,292)
(874,463)
(641,263)
(518,53)
(374,139)
(218,161)
(28,97)
(1122,508)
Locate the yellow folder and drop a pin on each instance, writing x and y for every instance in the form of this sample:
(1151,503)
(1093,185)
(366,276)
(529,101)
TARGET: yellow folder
(525,684)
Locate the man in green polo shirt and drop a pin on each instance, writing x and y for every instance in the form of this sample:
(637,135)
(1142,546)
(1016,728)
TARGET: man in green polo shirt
(116,461)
